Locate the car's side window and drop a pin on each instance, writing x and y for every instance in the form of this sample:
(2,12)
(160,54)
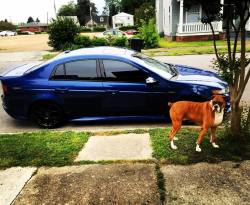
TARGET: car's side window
(59,72)
(81,70)
(122,72)
(77,70)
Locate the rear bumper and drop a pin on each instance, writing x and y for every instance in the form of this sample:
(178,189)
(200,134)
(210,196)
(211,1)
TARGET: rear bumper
(13,111)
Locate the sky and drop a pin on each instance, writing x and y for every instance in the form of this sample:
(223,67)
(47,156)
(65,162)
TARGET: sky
(18,11)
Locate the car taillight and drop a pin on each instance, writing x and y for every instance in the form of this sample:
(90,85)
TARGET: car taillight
(5,89)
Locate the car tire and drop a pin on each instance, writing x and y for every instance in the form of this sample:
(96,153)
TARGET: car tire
(47,115)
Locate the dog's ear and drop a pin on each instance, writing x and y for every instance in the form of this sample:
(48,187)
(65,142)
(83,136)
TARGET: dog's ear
(213,96)
(221,95)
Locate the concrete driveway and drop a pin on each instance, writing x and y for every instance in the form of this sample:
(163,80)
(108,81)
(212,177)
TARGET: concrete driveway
(9,125)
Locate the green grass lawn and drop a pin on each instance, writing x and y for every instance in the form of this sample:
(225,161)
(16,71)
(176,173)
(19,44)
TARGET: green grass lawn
(173,48)
(164,43)
(48,56)
(60,148)
(186,154)
(40,149)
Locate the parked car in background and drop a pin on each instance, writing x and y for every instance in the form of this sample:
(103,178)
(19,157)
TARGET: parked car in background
(28,33)
(103,83)
(131,32)
(8,33)
(113,33)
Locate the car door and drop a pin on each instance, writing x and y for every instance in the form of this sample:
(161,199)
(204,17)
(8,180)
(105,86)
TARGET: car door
(128,94)
(78,85)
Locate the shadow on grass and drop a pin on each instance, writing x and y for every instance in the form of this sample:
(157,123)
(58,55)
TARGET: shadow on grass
(186,154)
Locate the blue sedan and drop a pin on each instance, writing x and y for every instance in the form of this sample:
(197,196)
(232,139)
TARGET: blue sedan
(102,83)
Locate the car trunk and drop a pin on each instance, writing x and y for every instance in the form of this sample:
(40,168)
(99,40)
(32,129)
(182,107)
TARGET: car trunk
(18,70)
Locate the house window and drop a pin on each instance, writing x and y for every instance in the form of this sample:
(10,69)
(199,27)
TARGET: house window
(193,14)
(128,18)
(101,19)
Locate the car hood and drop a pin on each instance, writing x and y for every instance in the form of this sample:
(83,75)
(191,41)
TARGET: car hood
(19,69)
(198,76)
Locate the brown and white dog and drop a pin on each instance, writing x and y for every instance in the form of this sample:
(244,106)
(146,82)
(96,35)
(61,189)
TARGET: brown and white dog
(207,114)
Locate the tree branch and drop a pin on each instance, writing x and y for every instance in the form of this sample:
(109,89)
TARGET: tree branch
(228,42)
(240,93)
(237,31)
(214,41)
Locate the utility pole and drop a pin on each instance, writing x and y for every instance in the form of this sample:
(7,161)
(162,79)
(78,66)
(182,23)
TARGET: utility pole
(90,13)
(55,6)
(47,17)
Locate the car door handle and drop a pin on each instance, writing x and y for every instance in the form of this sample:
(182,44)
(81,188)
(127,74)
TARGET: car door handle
(113,92)
(61,90)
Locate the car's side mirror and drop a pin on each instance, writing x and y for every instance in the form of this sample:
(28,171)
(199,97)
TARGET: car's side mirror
(151,81)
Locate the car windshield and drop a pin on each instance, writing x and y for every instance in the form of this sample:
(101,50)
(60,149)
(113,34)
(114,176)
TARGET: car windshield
(158,65)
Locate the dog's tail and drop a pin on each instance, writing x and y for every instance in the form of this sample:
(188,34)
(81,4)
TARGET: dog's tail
(170,104)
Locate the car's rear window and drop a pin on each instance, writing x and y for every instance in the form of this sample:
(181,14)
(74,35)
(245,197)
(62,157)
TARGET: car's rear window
(76,70)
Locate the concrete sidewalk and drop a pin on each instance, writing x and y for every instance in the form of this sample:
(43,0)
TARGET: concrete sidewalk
(12,181)
(92,184)
(225,183)
(117,147)
(127,182)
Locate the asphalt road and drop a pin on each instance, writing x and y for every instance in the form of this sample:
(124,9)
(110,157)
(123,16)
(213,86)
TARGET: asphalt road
(9,125)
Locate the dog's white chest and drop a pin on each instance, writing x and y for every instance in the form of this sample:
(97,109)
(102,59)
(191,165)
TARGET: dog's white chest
(218,117)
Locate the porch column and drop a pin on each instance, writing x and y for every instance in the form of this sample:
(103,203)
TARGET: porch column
(220,25)
(180,27)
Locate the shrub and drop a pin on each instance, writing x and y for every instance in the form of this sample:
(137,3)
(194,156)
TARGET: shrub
(99,42)
(84,29)
(161,34)
(62,31)
(99,29)
(4,25)
(149,34)
(83,41)
(125,28)
(119,42)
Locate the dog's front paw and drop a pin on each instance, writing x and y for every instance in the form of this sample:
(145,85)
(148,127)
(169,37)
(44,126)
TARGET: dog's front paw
(198,149)
(215,145)
(172,145)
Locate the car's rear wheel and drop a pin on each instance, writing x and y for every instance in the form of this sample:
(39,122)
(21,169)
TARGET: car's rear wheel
(47,115)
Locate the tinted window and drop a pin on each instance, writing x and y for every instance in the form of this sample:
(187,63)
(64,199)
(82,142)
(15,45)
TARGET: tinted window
(124,72)
(77,70)
(59,72)
(81,70)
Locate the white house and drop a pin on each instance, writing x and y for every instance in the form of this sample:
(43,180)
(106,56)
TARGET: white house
(122,19)
(183,24)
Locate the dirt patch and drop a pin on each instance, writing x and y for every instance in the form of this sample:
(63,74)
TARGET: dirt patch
(38,42)
(92,184)
(203,183)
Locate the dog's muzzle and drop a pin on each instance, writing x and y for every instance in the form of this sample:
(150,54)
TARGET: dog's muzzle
(217,108)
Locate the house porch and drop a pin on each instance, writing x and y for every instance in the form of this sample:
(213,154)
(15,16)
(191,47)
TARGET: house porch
(190,27)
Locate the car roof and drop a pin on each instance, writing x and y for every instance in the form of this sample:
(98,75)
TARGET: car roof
(97,51)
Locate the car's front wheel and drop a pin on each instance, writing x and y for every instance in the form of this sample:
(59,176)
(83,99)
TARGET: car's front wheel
(47,115)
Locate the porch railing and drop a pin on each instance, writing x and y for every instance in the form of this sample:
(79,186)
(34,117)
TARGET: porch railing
(197,27)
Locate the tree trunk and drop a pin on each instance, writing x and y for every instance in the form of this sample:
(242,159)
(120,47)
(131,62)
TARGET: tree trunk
(235,115)
(236,122)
